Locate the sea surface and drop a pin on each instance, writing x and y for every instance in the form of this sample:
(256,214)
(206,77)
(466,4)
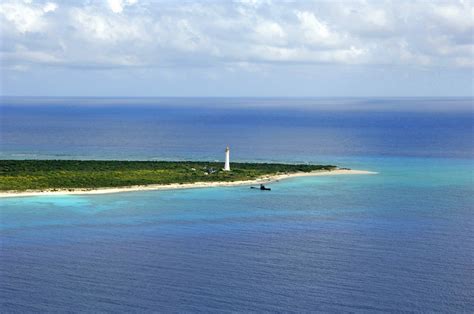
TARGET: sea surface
(400,240)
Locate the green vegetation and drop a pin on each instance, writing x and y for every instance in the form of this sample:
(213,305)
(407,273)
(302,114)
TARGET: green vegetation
(21,175)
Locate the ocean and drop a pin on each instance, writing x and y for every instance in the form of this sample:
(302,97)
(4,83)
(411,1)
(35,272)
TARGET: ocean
(400,240)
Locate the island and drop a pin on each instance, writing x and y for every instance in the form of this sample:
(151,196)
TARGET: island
(36,177)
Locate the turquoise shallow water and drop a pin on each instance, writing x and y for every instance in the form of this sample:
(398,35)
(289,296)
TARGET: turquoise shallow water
(401,240)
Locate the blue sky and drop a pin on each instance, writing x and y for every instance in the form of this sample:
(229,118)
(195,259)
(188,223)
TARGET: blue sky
(237,48)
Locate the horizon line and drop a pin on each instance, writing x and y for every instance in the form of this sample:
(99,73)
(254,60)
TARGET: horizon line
(294,97)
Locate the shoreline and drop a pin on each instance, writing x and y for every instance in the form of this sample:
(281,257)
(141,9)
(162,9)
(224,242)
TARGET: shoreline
(177,186)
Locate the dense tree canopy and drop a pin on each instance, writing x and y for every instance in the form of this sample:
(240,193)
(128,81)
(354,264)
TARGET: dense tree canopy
(21,175)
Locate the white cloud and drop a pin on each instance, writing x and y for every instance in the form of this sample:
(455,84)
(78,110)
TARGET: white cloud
(117,6)
(405,55)
(270,32)
(253,3)
(248,32)
(314,30)
(50,7)
(23,54)
(464,62)
(23,16)
(458,17)
(92,25)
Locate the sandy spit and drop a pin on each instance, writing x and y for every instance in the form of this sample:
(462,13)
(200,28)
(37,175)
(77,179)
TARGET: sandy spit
(265,179)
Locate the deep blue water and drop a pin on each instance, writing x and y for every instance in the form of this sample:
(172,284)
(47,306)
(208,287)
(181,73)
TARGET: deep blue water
(401,240)
(273,129)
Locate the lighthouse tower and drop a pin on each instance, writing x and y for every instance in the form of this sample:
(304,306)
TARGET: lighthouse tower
(227,159)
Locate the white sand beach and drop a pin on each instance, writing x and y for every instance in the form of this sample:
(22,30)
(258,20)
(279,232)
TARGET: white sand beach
(265,179)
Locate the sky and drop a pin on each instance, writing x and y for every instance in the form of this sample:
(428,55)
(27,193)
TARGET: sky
(253,48)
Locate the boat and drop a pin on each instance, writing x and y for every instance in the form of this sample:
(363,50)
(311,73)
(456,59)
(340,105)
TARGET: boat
(261,188)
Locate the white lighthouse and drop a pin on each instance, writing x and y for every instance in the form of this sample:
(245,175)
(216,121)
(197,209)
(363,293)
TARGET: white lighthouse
(227,159)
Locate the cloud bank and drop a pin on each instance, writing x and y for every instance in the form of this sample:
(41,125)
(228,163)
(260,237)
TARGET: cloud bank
(245,35)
